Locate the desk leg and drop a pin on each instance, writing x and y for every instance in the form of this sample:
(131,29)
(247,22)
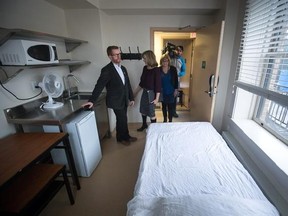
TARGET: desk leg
(71,162)
(67,184)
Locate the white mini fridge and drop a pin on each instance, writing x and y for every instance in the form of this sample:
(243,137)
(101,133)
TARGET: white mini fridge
(84,140)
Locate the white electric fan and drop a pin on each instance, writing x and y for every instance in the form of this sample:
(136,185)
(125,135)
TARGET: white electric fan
(53,86)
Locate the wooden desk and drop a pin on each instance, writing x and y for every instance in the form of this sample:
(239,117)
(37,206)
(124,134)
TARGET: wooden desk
(29,192)
(20,150)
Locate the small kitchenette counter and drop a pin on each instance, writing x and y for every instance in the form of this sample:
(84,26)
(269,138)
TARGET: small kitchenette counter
(31,113)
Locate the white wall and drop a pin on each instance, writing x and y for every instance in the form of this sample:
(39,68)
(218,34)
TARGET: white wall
(85,25)
(33,15)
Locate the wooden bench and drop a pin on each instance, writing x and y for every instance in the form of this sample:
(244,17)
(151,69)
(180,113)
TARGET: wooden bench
(32,189)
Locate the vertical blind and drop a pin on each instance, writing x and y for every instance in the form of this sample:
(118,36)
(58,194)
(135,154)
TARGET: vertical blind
(263,56)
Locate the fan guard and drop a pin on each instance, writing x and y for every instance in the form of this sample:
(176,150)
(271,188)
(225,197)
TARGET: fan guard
(53,87)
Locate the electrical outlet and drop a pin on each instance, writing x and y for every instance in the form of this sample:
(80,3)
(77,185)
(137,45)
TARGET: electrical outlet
(33,85)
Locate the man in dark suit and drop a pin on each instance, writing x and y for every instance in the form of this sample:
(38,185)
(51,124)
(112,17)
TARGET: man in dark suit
(115,78)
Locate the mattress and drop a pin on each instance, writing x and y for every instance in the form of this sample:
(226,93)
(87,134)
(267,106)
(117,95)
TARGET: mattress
(188,169)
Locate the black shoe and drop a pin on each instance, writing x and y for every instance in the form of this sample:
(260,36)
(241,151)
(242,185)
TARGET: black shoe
(175,115)
(132,139)
(142,128)
(124,142)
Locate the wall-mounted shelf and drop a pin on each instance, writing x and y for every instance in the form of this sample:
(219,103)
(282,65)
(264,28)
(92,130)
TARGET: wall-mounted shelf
(72,64)
(70,43)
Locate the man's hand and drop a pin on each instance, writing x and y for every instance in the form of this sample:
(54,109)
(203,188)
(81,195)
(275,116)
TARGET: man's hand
(90,104)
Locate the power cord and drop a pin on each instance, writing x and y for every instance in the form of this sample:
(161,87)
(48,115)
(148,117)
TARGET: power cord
(41,90)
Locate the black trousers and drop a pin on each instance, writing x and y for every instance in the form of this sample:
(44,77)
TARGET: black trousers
(174,105)
(170,111)
(122,132)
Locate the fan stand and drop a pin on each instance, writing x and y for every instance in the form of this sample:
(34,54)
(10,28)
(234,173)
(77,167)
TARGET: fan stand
(51,104)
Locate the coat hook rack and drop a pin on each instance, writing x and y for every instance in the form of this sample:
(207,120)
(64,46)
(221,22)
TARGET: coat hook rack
(130,55)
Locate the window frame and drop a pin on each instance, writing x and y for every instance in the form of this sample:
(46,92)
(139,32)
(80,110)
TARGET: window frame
(266,65)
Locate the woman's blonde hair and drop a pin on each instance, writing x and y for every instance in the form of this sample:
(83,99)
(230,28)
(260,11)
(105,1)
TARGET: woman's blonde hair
(150,58)
(163,57)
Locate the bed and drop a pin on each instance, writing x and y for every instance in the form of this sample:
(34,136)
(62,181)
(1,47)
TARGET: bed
(188,169)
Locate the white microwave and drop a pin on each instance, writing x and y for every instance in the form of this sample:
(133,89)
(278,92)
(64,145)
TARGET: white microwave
(26,52)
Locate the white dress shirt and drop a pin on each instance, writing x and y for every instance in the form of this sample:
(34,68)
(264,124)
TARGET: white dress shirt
(120,72)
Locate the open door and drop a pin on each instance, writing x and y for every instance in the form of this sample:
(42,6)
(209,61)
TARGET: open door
(205,74)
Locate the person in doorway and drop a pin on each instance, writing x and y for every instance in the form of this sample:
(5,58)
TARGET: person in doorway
(150,82)
(179,63)
(115,78)
(169,79)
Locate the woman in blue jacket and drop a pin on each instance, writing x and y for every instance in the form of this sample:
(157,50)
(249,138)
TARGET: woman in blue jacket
(169,79)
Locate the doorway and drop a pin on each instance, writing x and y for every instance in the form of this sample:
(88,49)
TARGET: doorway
(202,61)
(160,39)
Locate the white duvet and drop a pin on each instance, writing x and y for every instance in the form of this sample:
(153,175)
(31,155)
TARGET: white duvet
(199,205)
(187,169)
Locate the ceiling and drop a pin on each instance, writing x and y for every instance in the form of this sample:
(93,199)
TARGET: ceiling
(153,11)
(125,7)
(72,4)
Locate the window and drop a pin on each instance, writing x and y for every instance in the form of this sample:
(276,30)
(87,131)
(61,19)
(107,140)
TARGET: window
(262,69)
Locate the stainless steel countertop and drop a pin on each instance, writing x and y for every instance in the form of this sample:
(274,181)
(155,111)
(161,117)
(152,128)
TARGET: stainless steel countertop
(31,113)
